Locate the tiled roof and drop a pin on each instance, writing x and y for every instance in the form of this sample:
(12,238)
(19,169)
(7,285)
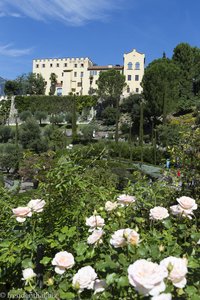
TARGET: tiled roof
(105,68)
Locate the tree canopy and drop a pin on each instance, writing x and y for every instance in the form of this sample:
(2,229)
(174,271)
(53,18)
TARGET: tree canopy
(160,87)
(31,84)
(110,85)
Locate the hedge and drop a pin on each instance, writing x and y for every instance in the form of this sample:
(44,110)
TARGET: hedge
(52,104)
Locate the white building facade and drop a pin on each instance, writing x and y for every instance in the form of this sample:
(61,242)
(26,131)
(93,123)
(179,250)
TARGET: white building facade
(80,75)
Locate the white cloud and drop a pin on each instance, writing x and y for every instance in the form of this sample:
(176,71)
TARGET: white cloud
(8,50)
(72,12)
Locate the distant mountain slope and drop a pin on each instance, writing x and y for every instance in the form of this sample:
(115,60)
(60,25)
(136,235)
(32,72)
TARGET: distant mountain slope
(2,84)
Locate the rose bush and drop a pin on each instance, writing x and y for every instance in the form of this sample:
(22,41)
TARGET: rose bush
(126,255)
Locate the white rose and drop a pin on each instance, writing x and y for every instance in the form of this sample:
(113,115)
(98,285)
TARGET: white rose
(63,260)
(132,236)
(95,222)
(99,286)
(95,237)
(177,268)
(21,213)
(118,239)
(147,277)
(84,278)
(28,274)
(126,199)
(109,206)
(158,213)
(186,206)
(163,296)
(175,209)
(36,205)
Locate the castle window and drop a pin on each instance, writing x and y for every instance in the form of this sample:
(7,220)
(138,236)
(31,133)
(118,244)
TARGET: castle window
(130,66)
(79,84)
(82,74)
(75,65)
(59,91)
(129,77)
(92,73)
(137,66)
(82,65)
(136,77)
(75,74)
(37,66)
(57,65)
(128,89)
(65,64)
(51,65)
(43,65)
(137,90)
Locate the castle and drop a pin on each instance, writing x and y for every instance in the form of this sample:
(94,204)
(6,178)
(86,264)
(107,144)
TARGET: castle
(80,75)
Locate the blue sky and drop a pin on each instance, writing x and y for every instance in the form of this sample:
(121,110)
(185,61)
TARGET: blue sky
(99,29)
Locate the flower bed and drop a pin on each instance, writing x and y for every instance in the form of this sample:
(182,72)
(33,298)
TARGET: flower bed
(86,241)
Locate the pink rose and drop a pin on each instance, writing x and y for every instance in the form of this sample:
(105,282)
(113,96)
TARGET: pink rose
(158,213)
(95,222)
(126,199)
(95,237)
(177,268)
(63,260)
(185,207)
(147,277)
(84,279)
(21,213)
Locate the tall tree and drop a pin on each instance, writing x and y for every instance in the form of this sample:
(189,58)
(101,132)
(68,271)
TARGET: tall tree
(160,87)
(4,110)
(110,87)
(184,58)
(141,132)
(35,84)
(131,105)
(23,84)
(53,80)
(11,87)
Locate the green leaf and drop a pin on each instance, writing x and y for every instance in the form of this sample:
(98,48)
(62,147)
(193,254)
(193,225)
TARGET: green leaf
(64,285)
(45,260)
(66,295)
(193,263)
(167,223)
(27,263)
(61,237)
(81,248)
(123,281)
(139,220)
(111,278)
(65,229)
(191,290)
(5,244)
(70,295)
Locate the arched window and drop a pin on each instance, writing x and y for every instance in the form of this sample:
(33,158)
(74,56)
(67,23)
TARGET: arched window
(130,66)
(137,66)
